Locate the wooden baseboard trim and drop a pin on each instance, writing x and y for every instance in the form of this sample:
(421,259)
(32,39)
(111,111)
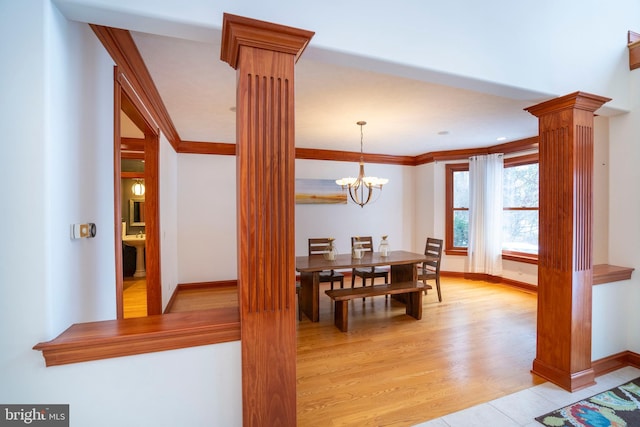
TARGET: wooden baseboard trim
(615,362)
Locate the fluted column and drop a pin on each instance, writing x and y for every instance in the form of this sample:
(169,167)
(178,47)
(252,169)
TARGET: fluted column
(565,264)
(264,55)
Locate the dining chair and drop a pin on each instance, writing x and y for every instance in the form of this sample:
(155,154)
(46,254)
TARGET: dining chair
(366,244)
(430,270)
(319,246)
(298,300)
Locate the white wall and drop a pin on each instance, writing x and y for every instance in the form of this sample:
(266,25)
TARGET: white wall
(168,219)
(57,169)
(207,249)
(391,213)
(624,211)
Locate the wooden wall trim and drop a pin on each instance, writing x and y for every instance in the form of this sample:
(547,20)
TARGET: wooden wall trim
(352,156)
(227,149)
(125,337)
(125,54)
(633,40)
(219,148)
(615,362)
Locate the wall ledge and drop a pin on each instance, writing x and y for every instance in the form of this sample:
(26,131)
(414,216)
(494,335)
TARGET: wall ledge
(115,338)
(606,273)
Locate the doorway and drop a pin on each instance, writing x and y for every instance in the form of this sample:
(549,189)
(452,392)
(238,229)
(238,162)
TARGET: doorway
(136,195)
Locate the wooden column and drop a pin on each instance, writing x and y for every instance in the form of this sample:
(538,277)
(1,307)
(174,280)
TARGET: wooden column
(264,55)
(563,352)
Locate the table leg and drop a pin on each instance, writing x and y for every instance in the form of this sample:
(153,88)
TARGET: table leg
(402,273)
(310,295)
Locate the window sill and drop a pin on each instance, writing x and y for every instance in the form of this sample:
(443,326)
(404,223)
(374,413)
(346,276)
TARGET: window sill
(114,338)
(529,259)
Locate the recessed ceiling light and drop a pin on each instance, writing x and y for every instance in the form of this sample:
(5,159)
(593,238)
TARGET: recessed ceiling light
(443,132)
(502,138)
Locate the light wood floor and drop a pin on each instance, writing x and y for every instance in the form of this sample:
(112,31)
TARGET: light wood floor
(392,370)
(134,297)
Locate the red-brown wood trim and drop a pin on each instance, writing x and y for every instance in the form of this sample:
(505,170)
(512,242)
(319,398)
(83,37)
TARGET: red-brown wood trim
(351,156)
(117,193)
(219,148)
(520,145)
(633,40)
(125,54)
(605,273)
(132,144)
(152,224)
(131,175)
(241,31)
(615,362)
(125,337)
(138,155)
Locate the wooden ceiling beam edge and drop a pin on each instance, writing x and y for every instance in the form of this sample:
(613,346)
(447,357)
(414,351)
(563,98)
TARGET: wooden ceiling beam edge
(227,149)
(124,52)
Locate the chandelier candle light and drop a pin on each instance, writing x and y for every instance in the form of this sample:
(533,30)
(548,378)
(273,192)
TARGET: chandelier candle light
(361,188)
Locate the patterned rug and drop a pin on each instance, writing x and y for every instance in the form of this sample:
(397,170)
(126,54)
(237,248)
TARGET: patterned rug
(617,407)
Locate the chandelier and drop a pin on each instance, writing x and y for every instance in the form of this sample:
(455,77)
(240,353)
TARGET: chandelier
(361,188)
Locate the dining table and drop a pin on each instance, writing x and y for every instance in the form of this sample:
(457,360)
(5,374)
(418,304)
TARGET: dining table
(402,268)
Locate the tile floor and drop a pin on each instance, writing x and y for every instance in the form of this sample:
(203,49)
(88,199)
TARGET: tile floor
(520,409)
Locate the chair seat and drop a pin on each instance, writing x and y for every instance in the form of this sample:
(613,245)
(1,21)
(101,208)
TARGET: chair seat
(378,271)
(325,276)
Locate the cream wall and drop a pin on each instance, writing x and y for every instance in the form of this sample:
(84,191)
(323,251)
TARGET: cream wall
(206,231)
(168,219)
(207,249)
(391,213)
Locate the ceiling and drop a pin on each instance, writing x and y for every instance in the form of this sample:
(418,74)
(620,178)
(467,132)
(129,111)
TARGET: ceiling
(404,116)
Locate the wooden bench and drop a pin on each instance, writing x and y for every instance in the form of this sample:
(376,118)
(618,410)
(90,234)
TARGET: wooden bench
(411,290)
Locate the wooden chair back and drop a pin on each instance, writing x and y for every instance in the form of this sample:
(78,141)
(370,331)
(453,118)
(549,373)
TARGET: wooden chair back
(365,243)
(433,248)
(318,246)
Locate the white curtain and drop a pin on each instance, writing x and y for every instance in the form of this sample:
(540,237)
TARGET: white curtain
(485,214)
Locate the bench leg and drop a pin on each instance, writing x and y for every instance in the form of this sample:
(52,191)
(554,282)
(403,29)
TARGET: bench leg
(342,315)
(414,304)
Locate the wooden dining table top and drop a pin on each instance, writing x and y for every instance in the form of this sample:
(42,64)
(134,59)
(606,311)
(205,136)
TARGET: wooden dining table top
(314,263)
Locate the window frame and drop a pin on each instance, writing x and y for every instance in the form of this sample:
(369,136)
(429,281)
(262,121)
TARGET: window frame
(450,169)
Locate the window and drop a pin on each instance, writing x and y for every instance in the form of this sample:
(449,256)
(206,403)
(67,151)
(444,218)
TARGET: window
(520,204)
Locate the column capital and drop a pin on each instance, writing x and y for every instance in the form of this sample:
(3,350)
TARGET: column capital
(241,31)
(577,100)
